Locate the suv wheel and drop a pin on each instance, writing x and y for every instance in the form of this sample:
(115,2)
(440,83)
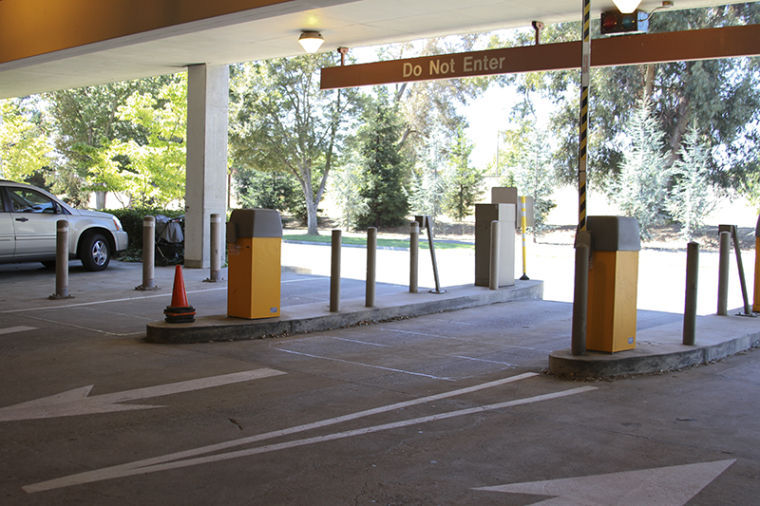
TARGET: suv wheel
(95,252)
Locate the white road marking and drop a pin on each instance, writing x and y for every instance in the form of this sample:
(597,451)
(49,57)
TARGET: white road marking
(304,279)
(414,333)
(483,360)
(391,369)
(96,302)
(673,485)
(127,299)
(76,402)
(358,342)
(180,460)
(13,330)
(73,325)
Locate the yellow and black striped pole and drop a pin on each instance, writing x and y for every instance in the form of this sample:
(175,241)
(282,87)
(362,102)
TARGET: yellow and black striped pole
(585,81)
(582,238)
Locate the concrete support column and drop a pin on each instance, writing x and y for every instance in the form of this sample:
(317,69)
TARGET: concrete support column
(206,179)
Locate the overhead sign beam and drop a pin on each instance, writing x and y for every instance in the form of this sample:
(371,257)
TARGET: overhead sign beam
(637,49)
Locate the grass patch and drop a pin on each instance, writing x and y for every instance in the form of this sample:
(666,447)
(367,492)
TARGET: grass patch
(362,241)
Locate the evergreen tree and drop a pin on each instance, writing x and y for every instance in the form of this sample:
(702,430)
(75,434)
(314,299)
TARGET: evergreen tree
(427,193)
(270,190)
(463,182)
(385,169)
(528,165)
(690,198)
(345,187)
(640,188)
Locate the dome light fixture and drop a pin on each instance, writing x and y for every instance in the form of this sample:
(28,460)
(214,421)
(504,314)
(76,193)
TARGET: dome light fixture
(626,6)
(310,41)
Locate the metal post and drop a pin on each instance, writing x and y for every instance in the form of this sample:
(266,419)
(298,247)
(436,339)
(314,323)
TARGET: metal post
(756,295)
(523,213)
(371,264)
(61,261)
(148,254)
(428,224)
(335,272)
(493,272)
(740,265)
(215,249)
(414,238)
(580,295)
(690,304)
(723,274)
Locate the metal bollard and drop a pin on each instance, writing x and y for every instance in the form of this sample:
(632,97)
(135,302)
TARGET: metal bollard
(371,266)
(148,254)
(61,261)
(723,274)
(215,249)
(335,272)
(690,304)
(414,251)
(493,271)
(756,294)
(580,294)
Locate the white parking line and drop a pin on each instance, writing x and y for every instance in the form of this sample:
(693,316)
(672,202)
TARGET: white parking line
(127,299)
(13,330)
(391,369)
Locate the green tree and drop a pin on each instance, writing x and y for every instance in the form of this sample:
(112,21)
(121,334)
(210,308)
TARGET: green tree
(271,190)
(527,159)
(23,143)
(691,197)
(346,189)
(463,182)
(282,121)
(150,169)
(722,95)
(427,192)
(86,121)
(385,168)
(640,189)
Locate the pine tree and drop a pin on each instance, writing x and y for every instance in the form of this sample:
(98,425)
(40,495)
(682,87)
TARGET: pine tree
(385,169)
(640,188)
(463,182)
(690,198)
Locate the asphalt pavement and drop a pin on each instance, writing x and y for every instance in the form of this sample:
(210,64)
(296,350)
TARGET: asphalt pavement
(446,408)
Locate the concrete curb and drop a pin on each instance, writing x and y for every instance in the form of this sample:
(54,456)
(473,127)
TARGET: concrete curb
(655,355)
(315,317)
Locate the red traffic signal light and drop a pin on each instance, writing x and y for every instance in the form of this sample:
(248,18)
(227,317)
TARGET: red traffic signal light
(617,22)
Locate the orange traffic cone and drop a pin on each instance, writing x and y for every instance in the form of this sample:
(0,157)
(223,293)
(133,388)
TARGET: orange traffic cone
(179,311)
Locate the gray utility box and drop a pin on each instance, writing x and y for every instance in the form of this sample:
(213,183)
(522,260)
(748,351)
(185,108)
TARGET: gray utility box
(484,215)
(508,195)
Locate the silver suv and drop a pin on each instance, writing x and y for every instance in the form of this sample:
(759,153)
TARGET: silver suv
(28,217)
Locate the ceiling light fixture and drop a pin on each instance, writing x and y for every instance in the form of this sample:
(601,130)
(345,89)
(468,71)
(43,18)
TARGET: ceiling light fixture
(310,41)
(626,6)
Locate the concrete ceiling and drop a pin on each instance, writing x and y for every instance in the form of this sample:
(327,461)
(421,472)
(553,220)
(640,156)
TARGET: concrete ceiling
(273,31)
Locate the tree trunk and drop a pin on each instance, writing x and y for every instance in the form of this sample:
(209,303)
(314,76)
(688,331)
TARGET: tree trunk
(311,216)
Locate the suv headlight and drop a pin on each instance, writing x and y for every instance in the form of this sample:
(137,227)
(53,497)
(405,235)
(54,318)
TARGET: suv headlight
(116,223)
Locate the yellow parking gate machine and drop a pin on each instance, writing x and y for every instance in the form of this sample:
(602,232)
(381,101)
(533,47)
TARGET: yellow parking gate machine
(254,242)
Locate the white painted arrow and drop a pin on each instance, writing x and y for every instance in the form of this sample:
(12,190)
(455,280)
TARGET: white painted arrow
(76,401)
(673,485)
